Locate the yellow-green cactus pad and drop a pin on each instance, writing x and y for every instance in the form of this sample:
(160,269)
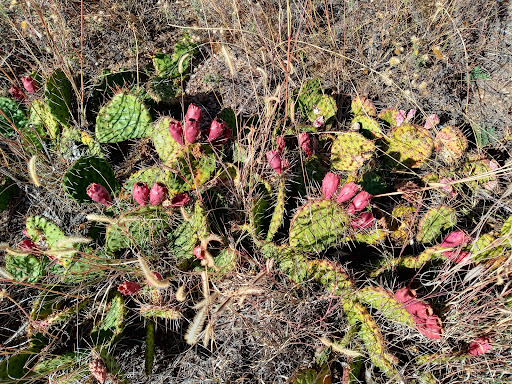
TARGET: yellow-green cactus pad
(350,151)
(450,144)
(317,225)
(363,106)
(409,145)
(368,124)
(434,221)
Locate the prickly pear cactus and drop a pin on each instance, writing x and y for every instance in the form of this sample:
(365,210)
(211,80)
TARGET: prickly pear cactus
(410,145)
(434,221)
(369,126)
(75,143)
(25,267)
(85,171)
(139,229)
(318,225)
(167,148)
(58,96)
(350,151)
(389,116)
(12,117)
(479,170)
(314,103)
(122,118)
(38,226)
(189,233)
(41,122)
(162,312)
(363,106)
(112,324)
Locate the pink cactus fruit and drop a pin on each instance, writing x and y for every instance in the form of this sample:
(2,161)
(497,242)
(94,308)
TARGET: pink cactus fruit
(217,129)
(98,370)
(410,115)
(347,192)
(176,132)
(330,184)
(400,117)
(305,143)
(365,220)
(454,239)
(319,122)
(198,252)
(431,121)
(457,256)
(29,84)
(141,193)
(157,194)
(99,194)
(193,113)
(281,143)
(431,327)
(17,93)
(359,203)
(405,295)
(479,346)
(180,200)
(274,161)
(128,288)
(192,131)
(27,245)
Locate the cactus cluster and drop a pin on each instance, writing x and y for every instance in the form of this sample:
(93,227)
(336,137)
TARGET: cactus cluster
(318,191)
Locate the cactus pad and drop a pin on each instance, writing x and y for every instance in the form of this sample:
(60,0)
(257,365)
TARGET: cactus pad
(450,144)
(167,148)
(85,171)
(37,226)
(410,145)
(313,103)
(26,268)
(279,211)
(368,125)
(350,151)
(389,116)
(363,106)
(318,225)
(167,313)
(124,117)
(112,324)
(330,275)
(11,116)
(434,221)
(42,121)
(413,262)
(58,96)
(384,301)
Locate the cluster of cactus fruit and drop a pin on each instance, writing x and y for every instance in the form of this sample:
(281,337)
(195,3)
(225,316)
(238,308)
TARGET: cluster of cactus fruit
(353,169)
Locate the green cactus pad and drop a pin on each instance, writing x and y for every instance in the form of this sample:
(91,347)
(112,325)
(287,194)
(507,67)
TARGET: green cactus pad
(11,116)
(363,106)
(317,225)
(58,96)
(369,126)
(16,366)
(384,301)
(37,225)
(488,249)
(189,233)
(260,202)
(56,364)
(434,221)
(163,312)
(478,169)
(506,229)
(350,151)
(139,229)
(162,90)
(413,262)
(124,117)
(167,148)
(278,215)
(42,122)
(225,261)
(112,324)
(228,116)
(409,145)
(85,171)
(371,336)
(312,376)
(314,103)
(450,144)
(27,268)
(330,275)
(290,261)
(373,183)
